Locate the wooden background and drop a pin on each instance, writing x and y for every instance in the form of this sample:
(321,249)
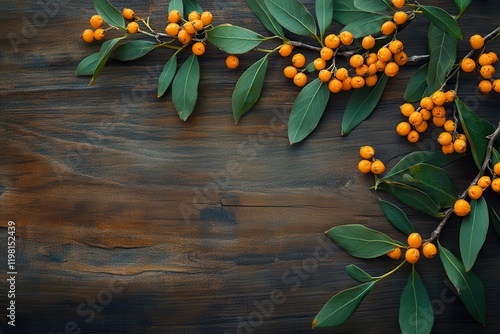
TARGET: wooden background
(132,221)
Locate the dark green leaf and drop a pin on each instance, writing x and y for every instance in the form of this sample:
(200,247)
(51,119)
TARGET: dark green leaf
(397,217)
(248,88)
(495,156)
(361,241)
(473,232)
(104,54)
(495,220)
(415,309)
(361,104)
(259,8)
(167,75)
(110,14)
(370,5)
(442,20)
(413,197)
(342,306)
(324,15)
(358,274)
(476,129)
(293,16)
(307,110)
(345,12)
(469,286)
(87,65)
(417,85)
(434,181)
(462,4)
(185,87)
(133,50)
(234,39)
(443,53)
(176,5)
(192,6)
(310,67)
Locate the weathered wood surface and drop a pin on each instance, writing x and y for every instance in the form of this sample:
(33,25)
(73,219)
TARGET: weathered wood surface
(97,180)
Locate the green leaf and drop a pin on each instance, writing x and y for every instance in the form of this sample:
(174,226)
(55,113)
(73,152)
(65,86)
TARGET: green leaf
(167,75)
(234,39)
(248,88)
(443,54)
(415,309)
(361,241)
(417,85)
(176,5)
(307,110)
(133,50)
(259,8)
(342,306)
(476,129)
(293,16)
(442,20)
(192,6)
(361,104)
(397,217)
(495,220)
(495,156)
(110,14)
(368,24)
(185,87)
(473,232)
(358,274)
(413,197)
(469,286)
(324,15)
(345,12)
(87,65)
(104,54)
(462,4)
(371,5)
(434,181)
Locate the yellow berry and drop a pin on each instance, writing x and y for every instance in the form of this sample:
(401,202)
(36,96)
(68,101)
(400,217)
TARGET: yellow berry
(485,59)
(412,255)
(290,71)
(198,48)
(183,36)
(484,181)
(438,121)
(286,50)
(460,146)
(439,111)
(300,79)
(468,65)
(396,46)
(413,136)
(450,96)
(429,250)
(198,25)
(400,17)
(415,118)
(206,18)
(128,13)
(439,98)
(357,82)
(88,35)
(447,149)
(475,192)
(400,58)
(403,129)
(326,53)
(388,28)
(174,16)
(324,75)
(99,34)
(346,38)
(194,15)
(395,254)
(384,54)
(407,109)
(427,103)
(398,3)
(298,60)
(96,21)
(364,166)
(371,80)
(476,42)
(332,41)
(335,85)
(362,70)
(377,167)
(461,208)
(445,138)
(496,168)
(366,152)
(341,73)
(426,114)
(132,27)
(495,185)
(232,62)
(487,71)
(319,64)
(485,86)
(189,27)
(422,127)
(368,42)
(391,69)
(356,60)
(414,240)
(172,29)
(449,125)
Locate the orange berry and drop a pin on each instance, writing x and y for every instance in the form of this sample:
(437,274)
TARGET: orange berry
(495,185)
(290,71)
(445,138)
(468,65)
(368,42)
(384,54)
(475,192)
(198,48)
(412,255)
(300,79)
(99,34)
(346,84)
(319,64)
(391,69)
(422,127)
(371,59)
(426,114)
(439,111)
(439,98)
(496,85)
(485,86)
(326,53)
(484,181)
(128,13)
(364,166)
(194,15)
(371,80)
(88,36)
(461,208)
(206,18)
(332,41)
(395,254)
(427,103)
(407,109)
(487,71)
(438,121)
(372,69)
(172,29)
(413,136)
(357,82)
(232,62)
(298,60)
(429,250)
(400,17)
(189,27)
(184,37)
(396,46)
(366,152)
(174,16)
(335,85)
(132,27)
(414,240)
(356,60)
(380,65)
(341,73)
(401,58)
(496,168)
(324,75)
(485,59)
(460,146)
(346,38)
(377,167)
(388,28)
(449,125)
(415,118)
(398,3)
(286,50)
(362,70)
(448,149)
(403,129)
(450,96)
(463,137)
(476,42)
(197,24)
(494,57)
(96,21)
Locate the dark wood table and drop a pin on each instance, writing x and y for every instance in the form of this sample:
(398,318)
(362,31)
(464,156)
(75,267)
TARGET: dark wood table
(129,220)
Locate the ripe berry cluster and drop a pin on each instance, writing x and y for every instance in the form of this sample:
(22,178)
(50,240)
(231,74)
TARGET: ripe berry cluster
(187,30)
(369,163)
(412,254)
(484,65)
(96,22)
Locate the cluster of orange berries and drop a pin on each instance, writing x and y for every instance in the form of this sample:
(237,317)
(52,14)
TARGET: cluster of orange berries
(412,254)
(430,108)
(96,22)
(484,64)
(369,163)
(185,30)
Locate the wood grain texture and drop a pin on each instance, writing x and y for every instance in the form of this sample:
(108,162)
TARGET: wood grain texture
(201,226)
